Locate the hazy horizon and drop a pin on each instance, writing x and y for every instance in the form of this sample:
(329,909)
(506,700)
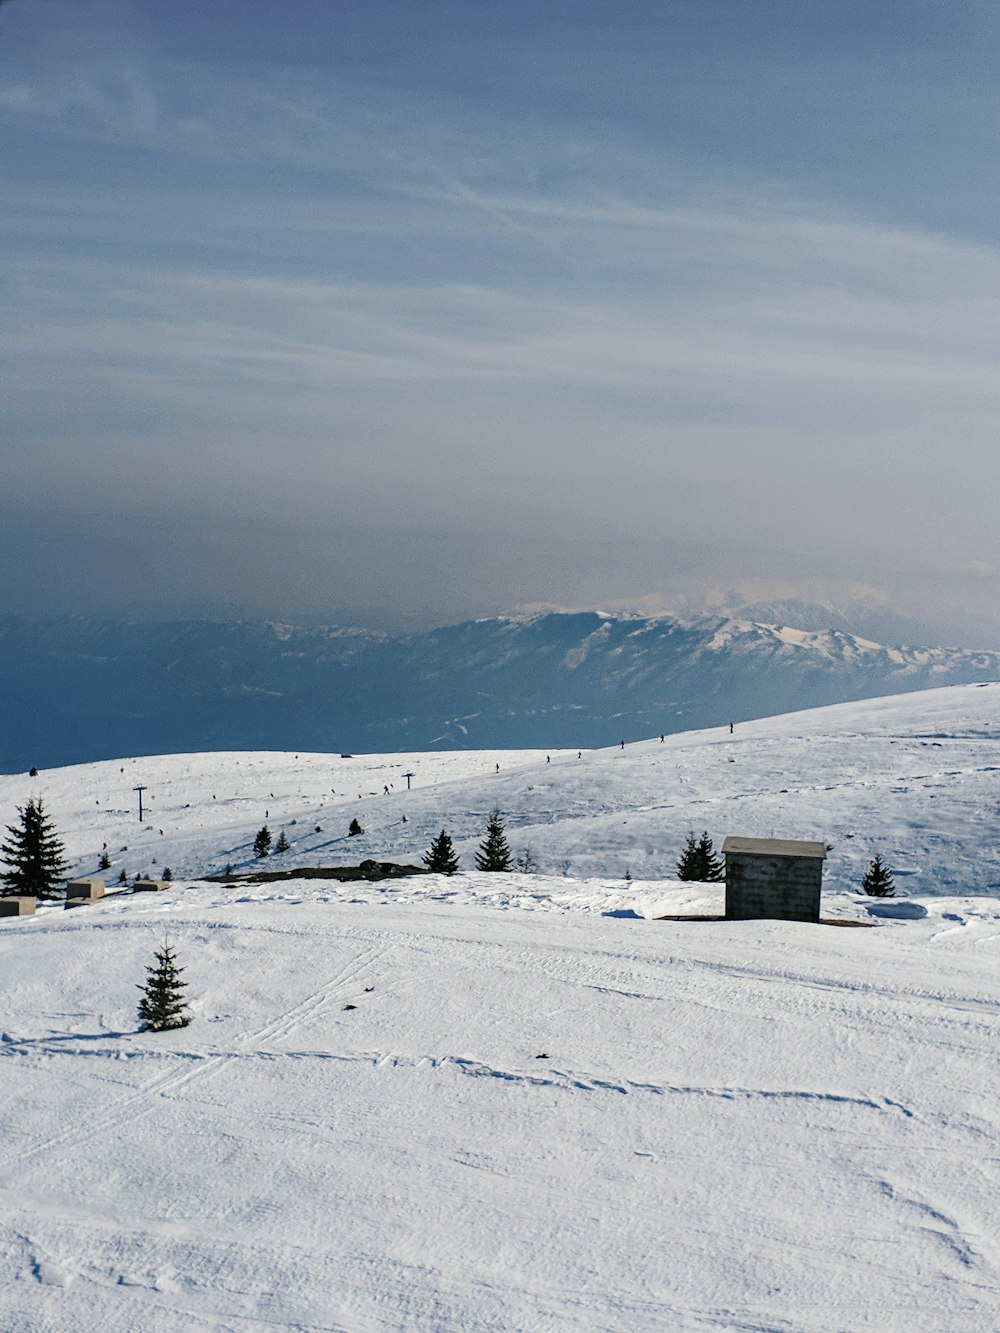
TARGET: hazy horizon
(429,312)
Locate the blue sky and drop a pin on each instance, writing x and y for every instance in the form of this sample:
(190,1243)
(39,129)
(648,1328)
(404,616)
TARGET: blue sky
(444,308)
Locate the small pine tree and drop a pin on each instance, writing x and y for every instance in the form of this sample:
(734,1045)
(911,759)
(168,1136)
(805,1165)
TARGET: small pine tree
(688,862)
(877,882)
(162,1005)
(262,842)
(526,862)
(168,874)
(34,854)
(714,866)
(441,858)
(354,828)
(698,860)
(494,854)
(105,862)
(123,878)
(282,845)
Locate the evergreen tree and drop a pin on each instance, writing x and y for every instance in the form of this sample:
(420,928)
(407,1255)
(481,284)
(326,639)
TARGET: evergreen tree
(34,854)
(105,862)
(441,858)
(282,845)
(526,862)
(168,875)
(877,882)
(354,828)
(494,854)
(698,860)
(262,842)
(714,866)
(162,1005)
(688,864)
(123,878)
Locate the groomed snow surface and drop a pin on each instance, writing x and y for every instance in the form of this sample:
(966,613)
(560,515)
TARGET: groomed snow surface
(517,1102)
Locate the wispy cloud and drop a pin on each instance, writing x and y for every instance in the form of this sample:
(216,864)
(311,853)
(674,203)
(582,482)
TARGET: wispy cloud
(411,298)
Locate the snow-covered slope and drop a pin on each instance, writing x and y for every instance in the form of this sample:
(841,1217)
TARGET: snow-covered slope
(517,1102)
(913,778)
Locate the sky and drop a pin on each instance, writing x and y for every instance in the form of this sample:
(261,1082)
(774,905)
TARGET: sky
(416,311)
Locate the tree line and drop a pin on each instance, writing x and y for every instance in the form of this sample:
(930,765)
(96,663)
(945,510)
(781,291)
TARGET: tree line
(37,864)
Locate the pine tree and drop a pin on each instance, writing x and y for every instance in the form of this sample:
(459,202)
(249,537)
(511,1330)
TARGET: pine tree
(698,860)
(354,828)
(34,853)
(714,867)
(162,1005)
(105,862)
(877,882)
(526,862)
(494,854)
(441,858)
(262,842)
(282,845)
(688,864)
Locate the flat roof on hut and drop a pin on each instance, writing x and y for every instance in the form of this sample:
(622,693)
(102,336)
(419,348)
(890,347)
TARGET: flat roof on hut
(774,847)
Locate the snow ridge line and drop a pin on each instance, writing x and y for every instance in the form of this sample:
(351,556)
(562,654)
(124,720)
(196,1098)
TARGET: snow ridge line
(556,1078)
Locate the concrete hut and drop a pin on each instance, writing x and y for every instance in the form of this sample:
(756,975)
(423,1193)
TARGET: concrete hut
(774,878)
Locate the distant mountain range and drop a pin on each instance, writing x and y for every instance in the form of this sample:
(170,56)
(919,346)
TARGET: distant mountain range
(77,689)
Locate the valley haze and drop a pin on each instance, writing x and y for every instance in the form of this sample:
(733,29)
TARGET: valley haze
(80,688)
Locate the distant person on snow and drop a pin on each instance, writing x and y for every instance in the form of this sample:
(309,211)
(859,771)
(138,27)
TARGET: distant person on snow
(730,728)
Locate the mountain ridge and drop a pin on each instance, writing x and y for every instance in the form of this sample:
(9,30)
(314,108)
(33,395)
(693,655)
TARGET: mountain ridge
(80,688)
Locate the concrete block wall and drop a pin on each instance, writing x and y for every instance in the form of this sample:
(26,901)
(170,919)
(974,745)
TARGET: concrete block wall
(150,885)
(85,888)
(784,888)
(17,905)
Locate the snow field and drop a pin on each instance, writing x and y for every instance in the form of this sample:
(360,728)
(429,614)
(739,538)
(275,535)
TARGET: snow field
(545,1110)
(528,1121)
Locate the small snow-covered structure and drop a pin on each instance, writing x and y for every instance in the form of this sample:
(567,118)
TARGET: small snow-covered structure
(17,905)
(774,878)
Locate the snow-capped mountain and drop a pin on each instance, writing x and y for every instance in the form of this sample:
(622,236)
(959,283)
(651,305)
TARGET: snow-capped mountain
(77,689)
